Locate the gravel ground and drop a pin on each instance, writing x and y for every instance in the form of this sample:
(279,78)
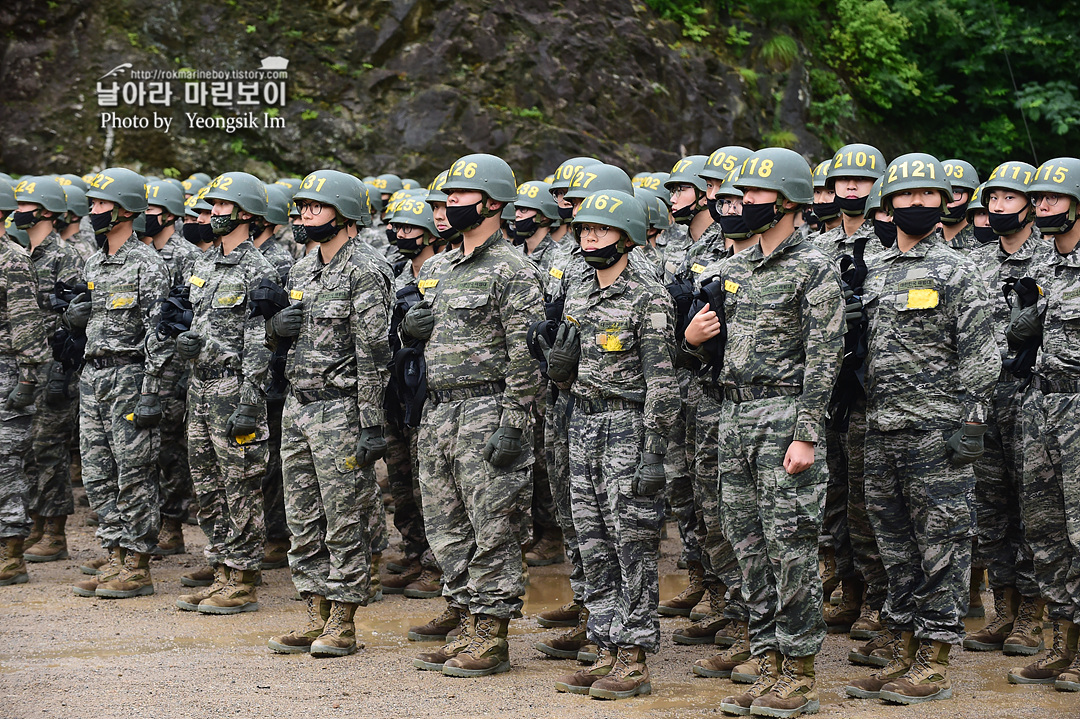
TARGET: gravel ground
(66,656)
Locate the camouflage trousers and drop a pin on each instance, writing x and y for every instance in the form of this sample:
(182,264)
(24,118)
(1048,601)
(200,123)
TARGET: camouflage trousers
(402,473)
(834,524)
(472,510)
(48,464)
(119,459)
(542,511)
(679,466)
(773,519)
(174,473)
(718,556)
(1001,546)
(227,475)
(557,455)
(920,509)
(329,502)
(277,528)
(864,547)
(1051,497)
(618,532)
(14,445)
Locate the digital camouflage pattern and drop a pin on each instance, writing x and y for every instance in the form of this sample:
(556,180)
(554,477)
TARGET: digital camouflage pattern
(276,254)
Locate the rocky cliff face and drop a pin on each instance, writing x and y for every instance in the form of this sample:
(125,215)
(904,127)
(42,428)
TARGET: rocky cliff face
(384,86)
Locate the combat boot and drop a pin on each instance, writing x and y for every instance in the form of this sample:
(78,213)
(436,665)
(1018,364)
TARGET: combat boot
(93,566)
(190,602)
(396,583)
(434,661)
(107,572)
(564,616)
(703,631)
(683,603)
(793,694)
(427,586)
(868,625)
(338,638)
(52,545)
(238,595)
(629,677)
(567,645)
(976,610)
(1069,678)
(903,649)
(582,680)
(547,551)
(877,652)
(830,579)
(840,618)
(1027,634)
(299,640)
(170,539)
(1060,656)
(35,532)
(134,579)
(275,554)
(720,665)
(487,653)
(769,674)
(201,577)
(437,629)
(12,565)
(992,637)
(749,671)
(927,680)
(588,654)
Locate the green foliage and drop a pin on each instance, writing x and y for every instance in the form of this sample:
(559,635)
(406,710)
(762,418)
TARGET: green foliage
(309,114)
(249,29)
(1055,102)
(779,138)
(737,37)
(779,51)
(171,172)
(687,13)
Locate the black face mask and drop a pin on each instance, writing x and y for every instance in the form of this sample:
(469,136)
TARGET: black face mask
(61,224)
(827,210)
(714,211)
(153,225)
(566,213)
(198,234)
(809,217)
(734,227)
(299,234)
(916,221)
(955,215)
(602,258)
(322,233)
(25,219)
(984,235)
(759,218)
(450,235)
(523,230)
(391,235)
(1009,223)
(409,246)
(886,232)
(1055,224)
(685,215)
(101,222)
(463,217)
(852,207)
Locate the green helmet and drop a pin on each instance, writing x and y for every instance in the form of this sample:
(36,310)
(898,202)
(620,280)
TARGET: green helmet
(435,193)
(289,184)
(76,200)
(245,191)
(175,183)
(277,208)
(416,212)
(1060,175)
(661,179)
(395,201)
(72,180)
(42,191)
(191,186)
(484,173)
(200,178)
(615,208)
(121,186)
(976,202)
(728,189)
(779,169)
(165,194)
(1011,176)
(724,161)
(197,203)
(20,237)
(509,212)
(387,184)
(593,178)
(536,195)
(410,184)
(363,198)
(856,160)
(658,216)
(873,200)
(7,178)
(916,170)
(637,178)
(375,203)
(7,197)
(564,175)
(650,181)
(961,174)
(339,190)
(821,172)
(687,171)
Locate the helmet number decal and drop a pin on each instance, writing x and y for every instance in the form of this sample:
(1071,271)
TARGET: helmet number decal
(583,179)
(722,160)
(1059,174)
(463,169)
(101,181)
(956,172)
(917,169)
(681,166)
(764,170)
(311,180)
(602,202)
(25,188)
(1001,171)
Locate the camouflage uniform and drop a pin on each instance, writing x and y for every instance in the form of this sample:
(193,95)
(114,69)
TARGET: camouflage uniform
(337,371)
(785,340)
(965,242)
(625,390)
(932,364)
(124,358)
(22,349)
(673,244)
(480,376)
(83,241)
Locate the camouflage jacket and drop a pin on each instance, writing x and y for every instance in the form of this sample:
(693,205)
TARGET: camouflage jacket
(343,342)
(837,244)
(964,242)
(179,255)
(1059,276)
(220,285)
(83,241)
(785,323)
(673,244)
(375,258)
(572,267)
(22,335)
(544,255)
(709,246)
(276,254)
(484,304)
(125,289)
(932,360)
(54,261)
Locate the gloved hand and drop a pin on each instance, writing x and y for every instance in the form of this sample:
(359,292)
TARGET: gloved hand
(1025,318)
(852,308)
(504,447)
(419,322)
(649,477)
(21,396)
(370,447)
(288,321)
(188,345)
(564,355)
(242,422)
(77,313)
(56,387)
(966,445)
(148,411)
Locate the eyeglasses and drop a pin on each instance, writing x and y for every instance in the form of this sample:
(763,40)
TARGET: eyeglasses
(1051,199)
(600,232)
(681,188)
(312,208)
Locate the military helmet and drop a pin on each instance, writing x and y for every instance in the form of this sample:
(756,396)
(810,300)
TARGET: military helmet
(536,195)
(435,193)
(593,178)
(197,203)
(484,173)
(1011,176)
(615,208)
(638,177)
(121,186)
(1060,175)
(728,189)
(855,160)
(410,184)
(962,175)
(340,190)
(42,191)
(650,181)
(657,213)
(416,212)
(76,200)
(779,169)
(509,212)
(976,202)
(245,191)
(191,186)
(289,184)
(363,198)
(165,194)
(4,177)
(174,182)
(387,184)
(375,203)
(821,173)
(18,236)
(916,170)
(7,197)
(724,161)
(564,174)
(687,171)
(395,200)
(873,200)
(200,177)
(277,208)
(73,180)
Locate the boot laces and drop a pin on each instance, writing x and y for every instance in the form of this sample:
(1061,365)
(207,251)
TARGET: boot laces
(1025,620)
(1001,610)
(1057,649)
(337,618)
(866,613)
(921,665)
(787,678)
(624,657)
(765,679)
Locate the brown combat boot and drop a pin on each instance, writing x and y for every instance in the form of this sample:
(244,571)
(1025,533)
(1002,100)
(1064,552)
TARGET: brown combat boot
(35,532)
(720,665)
(877,652)
(275,554)
(434,661)
(427,586)
(1069,678)
(927,680)
(582,680)
(52,545)
(190,602)
(750,671)
(568,644)
(487,653)
(107,572)
(201,577)
(992,637)
(12,565)
(769,674)
(976,610)
(396,583)
(238,595)
(1027,635)
(588,654)
(170,539)
(549,550)
(793,693)
(94,565)
(683,603)
(830,580)
(704,629)
(134,579)
(437,629)
(338,638)
(868,625)
(629,677)
(840,618)
(903,647)
(564,616)
(1060,656)
(299,640)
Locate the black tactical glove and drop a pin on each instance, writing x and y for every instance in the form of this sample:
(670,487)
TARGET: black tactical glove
(288,321)
(188,345)
(1025,317)
(20,397)
(504,447)
(418,321)
(77,313)
(148,411)
(242,422)
(966,445)
(56,387)
(370,447)
(649,477)
(853,307)
(564,355)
